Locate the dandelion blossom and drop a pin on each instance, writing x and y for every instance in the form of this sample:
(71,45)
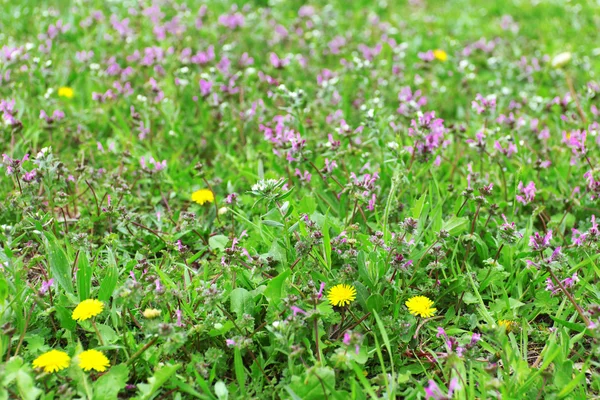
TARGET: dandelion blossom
(507,325)
(87,309)
(52,361)
(440,55)
(202,196)
(93,359)
(341,295)
(421,306)
(66,92)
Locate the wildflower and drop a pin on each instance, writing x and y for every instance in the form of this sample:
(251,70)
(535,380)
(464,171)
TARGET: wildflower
(66,92)
(202,196)
(538,242)
(482,104)
(426,56)
(320,293)
(93,359)
(476,337)
(420,306)
(440,55)
(297,310)
(433,391)
(178,313)
(341,295)
(87,309)
(151,313)
(52,361)
(507,325)
(528,193)
(46,285)
(567,283)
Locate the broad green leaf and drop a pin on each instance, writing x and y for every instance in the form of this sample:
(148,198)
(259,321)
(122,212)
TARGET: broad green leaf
(147,391)
(60,268)
(241,302)
(273,292)
(84,276)
(108,386)
(240,371)
(218,242)
(109,280)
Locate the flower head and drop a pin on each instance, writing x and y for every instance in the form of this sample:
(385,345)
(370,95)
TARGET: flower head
(341,295)
(440,55)
(87,309)
(421,306)
(202,196)
(52,361)
(93,359)
(507,325)
(151,313)
(66,92)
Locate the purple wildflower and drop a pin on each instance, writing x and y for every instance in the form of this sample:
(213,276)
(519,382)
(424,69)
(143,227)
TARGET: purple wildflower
(46,285)
(527,193)
(538,242)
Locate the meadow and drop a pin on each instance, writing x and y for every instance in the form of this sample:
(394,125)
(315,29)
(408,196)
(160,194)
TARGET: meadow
(299,200)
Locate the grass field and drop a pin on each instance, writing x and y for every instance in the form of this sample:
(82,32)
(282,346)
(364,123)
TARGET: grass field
(280,200)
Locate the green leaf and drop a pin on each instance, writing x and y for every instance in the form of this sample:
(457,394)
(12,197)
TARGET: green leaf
(418,207)
(64,317)
(147,391)
(108,386)
(60,268)
(241,302)
(108,334)
(84,276)
(456,225)
(273,291)
(109,281)
(240,371)
(571,325)
(277,252)
(309,387)
(13,370)
(3,290)
(218,242)
(375,302)
(572,383)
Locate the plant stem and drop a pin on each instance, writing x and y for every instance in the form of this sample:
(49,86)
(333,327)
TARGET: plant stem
(142,350)
(571,299)
(98,333)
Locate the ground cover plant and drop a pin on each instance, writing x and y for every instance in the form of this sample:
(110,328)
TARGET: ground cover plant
(279,199)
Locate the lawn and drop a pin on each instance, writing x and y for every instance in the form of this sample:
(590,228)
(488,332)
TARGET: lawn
(288,200)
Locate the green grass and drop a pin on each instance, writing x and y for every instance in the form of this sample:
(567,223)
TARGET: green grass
(241,286)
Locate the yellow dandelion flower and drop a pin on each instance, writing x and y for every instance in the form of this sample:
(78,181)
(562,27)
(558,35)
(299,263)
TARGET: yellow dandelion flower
(151,313)
(507,325)
(93,359)
(202,196)
(421,306)
(52,361)
(341,295)
(440,55)
(87,309)
(66,92)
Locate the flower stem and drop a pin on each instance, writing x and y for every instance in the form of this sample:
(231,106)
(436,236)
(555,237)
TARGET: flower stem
(98,333)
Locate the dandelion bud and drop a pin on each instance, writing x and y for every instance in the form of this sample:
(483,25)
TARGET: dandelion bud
(560,60)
